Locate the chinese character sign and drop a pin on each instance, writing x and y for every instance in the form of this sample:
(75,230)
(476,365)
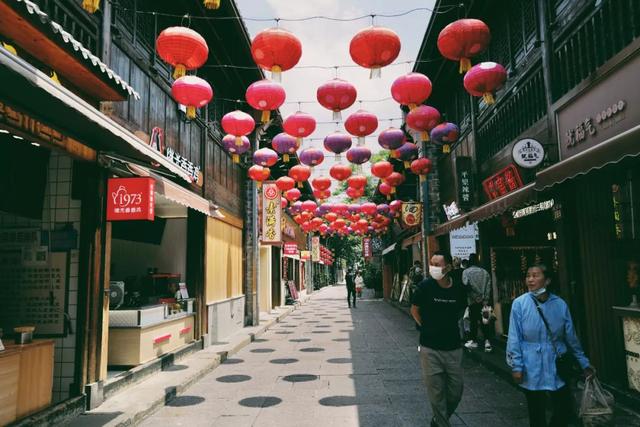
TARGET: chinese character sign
(315,248)
(465,185)
(291,248)
(505,181)
(271,214)
(411,214)
(130,199)
(366,247)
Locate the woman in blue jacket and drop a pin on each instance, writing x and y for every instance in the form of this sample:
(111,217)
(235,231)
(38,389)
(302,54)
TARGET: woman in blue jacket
(531,353)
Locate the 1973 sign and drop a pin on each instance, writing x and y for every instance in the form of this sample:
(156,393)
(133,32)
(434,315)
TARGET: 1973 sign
(130,199)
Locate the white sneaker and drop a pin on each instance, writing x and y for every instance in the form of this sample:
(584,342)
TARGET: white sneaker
(471,345)
(487,346)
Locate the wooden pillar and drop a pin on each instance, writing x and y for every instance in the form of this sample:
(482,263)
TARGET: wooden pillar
(196,229)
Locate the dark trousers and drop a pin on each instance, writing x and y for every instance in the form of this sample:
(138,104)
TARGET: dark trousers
(561,406)
(351,292)
(475,318)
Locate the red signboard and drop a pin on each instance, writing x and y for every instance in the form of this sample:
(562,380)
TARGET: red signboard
(291,248)
(130,199)
(366,247)
(505,181)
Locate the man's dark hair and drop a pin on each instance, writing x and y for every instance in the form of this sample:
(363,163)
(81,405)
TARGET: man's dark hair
(417,262)
(473,259)
(446,255)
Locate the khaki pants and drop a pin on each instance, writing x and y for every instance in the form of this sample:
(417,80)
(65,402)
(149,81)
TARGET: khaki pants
(442,374)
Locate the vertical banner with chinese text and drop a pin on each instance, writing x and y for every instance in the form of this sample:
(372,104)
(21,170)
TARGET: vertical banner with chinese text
(465,183)
(271,214)
(367,251)
(315,248)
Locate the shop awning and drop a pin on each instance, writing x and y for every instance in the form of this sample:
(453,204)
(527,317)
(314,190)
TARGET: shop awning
(613,150)
(172,191)
(388,249)
(409,241)
(522,196)
(449,226)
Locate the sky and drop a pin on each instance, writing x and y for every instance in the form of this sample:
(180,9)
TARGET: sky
(326,43)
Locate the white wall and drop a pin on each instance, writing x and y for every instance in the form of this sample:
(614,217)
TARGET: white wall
(264,290)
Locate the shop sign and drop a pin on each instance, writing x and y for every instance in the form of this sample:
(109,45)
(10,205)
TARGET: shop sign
(451,211)
(157,143)
(631,329)
(291,248)
(463,241)
(411,214)
(528,153)
(465,185)
(530,210)
(367,250)
(305,255)
(130,199)
(505,181)
(271,214)
(315,248)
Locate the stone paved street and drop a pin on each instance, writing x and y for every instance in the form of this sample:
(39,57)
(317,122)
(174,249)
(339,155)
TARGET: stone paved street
(328,365)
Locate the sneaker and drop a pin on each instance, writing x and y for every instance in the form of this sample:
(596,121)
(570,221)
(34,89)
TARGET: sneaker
(433,422)
(487,346)
(471,345)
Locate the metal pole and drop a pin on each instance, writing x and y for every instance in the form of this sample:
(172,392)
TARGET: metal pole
(424,197)
(309,268)
(251,250)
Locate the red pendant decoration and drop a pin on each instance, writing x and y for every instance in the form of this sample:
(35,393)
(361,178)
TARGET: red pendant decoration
(258,174)
(354,193)
(394,180)
(238,123)
(340,172)
(300,173)
(382,169)
(423,119)
(265,157)
(411,89)
(321,194)
(374,48)
(284,144)
(484,79)
(463,39)
(183,48)
(300,125)
(265,96)
(276,50)
(421,167)
(230,143)
(361,124)
(285,183)
(321,183)
(309,206)
(292,195)
(386,190)
(192,92)
(336,95)
(445,134)
(369,208)
(357,181)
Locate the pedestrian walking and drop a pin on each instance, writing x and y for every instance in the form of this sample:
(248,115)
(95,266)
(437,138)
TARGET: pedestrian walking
(541,342)
(359,282)
(351,288)
(437,307)
(478,283)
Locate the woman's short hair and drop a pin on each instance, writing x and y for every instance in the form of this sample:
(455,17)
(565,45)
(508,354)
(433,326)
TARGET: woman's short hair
(545,270)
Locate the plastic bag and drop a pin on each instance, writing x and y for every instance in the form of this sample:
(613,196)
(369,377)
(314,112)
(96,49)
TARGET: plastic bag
(596,408)
(466,321)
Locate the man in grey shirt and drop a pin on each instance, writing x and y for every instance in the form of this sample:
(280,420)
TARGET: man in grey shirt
(478,283)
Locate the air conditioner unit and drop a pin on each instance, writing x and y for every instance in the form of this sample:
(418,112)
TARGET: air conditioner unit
(116,295)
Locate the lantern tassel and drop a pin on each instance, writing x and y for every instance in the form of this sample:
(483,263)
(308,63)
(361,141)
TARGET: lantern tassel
(338,157)
(337,115)
(361,140)
(424,136)
(212,4)
(375,73)
(488,99)
(298,142)
(407,165)
(258,184)
(299,184)
(446,148)
(236,158)
(239,141)
(393,190)
(191,112)
(412,107)
(285,158)
(423,178)
(465,65)
(180,71)
(276,73)
(266,115)
(91,6)
(388,196)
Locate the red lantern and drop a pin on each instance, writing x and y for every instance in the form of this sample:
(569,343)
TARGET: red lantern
(183,48)
(395,206)
(300,125)
(276,50)
(382,169)
(374,48)
(265,95)
(484,79)
(394,180)
(423,119)
(411,89)
(193,92)
(285,183)
(421,167)
(300,173)
(292,195)
(298,219)
(316,223)
(357,181)
(336,95)
(386,190)
(321,183)
(463,39)
(360,124)
(238,123)
(340,172)
(321,194)
(354,193)
(309,205)
(331,216)
(259,174)
(369,208)
(283,203)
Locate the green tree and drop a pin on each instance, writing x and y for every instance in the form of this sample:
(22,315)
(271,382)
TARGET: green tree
(372,182)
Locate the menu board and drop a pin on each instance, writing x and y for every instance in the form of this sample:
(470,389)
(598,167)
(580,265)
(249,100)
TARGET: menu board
(33,291)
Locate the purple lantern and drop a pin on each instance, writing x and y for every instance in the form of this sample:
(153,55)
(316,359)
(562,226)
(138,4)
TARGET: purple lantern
(311,157)
(296,208)
(391,139)
(407,152)
(284,144)
(358,155)
(444,134)
(265,157)
(369,229)
(337,143)
(354,208)
(324,209)
(383,208)
(229,144)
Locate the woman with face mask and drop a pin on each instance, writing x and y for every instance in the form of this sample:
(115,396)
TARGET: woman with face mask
(540,333)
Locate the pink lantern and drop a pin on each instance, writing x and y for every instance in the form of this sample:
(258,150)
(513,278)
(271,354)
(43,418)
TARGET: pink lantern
(192,92)
(361,124)
(238,123)
(336,95)
(265,96)
(265,157)
(309,205)
(369,208)
(230,143)
(411,89)
(423,119)
(293,195)
(321,183)
(300,125)
(484,79)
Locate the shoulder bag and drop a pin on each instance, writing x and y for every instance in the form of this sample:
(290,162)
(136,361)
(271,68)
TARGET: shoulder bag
(565,362)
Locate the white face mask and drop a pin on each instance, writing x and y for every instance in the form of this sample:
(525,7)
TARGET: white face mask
(436,272)
(538,292)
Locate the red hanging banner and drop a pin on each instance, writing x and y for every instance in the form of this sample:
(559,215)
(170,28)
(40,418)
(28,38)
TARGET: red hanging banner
(130,199)
(291,248)
(366,247)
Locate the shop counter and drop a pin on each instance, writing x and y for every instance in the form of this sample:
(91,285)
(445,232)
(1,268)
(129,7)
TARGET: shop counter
(631,331)
(137,344)
(26,379)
